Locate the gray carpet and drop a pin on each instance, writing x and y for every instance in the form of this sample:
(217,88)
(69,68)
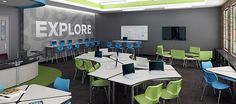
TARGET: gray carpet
(190,93)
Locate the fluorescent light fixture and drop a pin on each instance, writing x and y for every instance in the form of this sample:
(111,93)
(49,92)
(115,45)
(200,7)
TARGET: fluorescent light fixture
(4,1)
(133,9)
(178,6)
(113,2)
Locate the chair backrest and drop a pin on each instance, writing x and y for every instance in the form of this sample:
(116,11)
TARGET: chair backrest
(138,44)
(86,40)
(92,39)
(69,41)
(194,50)
(60,48)
(118,45)
(129,45)
(53,42)
(88,65)
(79,63)
(210,77)
(97,65)
(205,55)
(206,65)
(62,42)
(86,44)
(1,88)
(92,43)
(62,84)
(177,54)
(77,45)
(154,92)
(69,46)
(160,51)
(174,87)
(80,40)
(109,44)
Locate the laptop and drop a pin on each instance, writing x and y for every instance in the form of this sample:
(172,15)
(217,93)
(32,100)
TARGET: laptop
(129,71)
(156,67)
(125,38)
(141,61)
(98,54)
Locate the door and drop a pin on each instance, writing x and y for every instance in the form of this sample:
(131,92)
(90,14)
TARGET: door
(4,35)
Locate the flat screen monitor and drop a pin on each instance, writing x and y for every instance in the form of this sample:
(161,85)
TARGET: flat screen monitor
(156,66)
(128,68)
(125,38)
(98,54)
(174,33)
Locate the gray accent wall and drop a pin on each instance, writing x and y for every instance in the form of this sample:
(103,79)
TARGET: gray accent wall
(202,27)
(13,14)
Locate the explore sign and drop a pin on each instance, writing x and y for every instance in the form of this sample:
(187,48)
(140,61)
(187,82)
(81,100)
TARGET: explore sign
(60,29)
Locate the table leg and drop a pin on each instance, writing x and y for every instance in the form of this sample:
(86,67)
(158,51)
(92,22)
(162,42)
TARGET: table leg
(90,91)
(109,93)
(132,94)
(113,93)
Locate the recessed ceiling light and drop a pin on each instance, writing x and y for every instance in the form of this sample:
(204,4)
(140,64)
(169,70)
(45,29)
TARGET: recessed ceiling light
(4,1)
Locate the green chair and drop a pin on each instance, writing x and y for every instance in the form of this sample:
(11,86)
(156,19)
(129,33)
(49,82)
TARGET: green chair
(160,52)
(96,82)
(79,66)
(88,66)
(193,52)
(161,46)
(151,95)
(204,56)
(178,55)
(172,91)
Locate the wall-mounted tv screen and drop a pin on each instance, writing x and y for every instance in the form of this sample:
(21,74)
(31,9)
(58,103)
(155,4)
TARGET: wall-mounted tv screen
(174,33)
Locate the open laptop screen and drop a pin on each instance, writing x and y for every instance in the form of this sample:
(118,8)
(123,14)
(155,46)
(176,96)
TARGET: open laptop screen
(128,68)
(98,54)
(156,66)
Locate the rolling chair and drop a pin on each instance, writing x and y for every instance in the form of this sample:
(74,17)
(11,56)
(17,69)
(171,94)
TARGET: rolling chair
(118,46)
(60,52)
(137,46)
(109,45)
(62,84)
(130,46)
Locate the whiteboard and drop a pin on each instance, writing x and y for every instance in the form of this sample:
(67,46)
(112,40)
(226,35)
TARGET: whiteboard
(134,32)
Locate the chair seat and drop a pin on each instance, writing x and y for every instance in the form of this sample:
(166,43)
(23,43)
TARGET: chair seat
(100,83)
(167,95)
(166,52)
(141,99)
(191,54)
(220,86)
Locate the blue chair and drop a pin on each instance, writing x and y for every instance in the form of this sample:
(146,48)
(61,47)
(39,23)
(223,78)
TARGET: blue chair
(206,65)
(130,46)
(62,42)
(76,48)
(1,88)
(211,80)
(109,45)
(86,46)
(53,42)
(118,46)
(70,49)
(92,39)
(62,84)
(137,46)
(80,40)
(60,52)
(97,43)
(92,44)
(69,42)
(86,40)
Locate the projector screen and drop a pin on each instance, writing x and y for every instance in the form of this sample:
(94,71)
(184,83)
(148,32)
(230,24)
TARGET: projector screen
(134,32)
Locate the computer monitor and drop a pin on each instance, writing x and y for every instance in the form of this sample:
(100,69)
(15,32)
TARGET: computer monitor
(128,68)
(98,54)
(156,66)
(125,38)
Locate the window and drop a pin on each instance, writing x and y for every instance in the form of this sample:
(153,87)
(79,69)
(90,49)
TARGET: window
(226,30)
(233,46)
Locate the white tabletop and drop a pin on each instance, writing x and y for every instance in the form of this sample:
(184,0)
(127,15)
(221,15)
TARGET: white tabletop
(4,101)
(121,57)
(227,71)
(107,70)
(89,56)
(144,75)
(57,100)
(36,92)
(124,41)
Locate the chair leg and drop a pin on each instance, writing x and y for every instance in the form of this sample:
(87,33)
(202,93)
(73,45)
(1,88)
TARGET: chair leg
(178,100)
(106,93)
(75,73)
(231,93)
(218,102)
(203,91)
(83,77)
